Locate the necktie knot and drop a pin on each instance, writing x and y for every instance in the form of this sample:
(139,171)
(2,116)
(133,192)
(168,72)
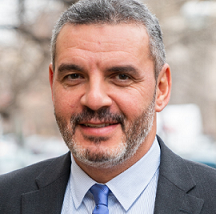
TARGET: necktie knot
(100,193)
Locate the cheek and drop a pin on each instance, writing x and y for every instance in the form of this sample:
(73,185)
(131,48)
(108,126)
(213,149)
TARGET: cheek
(65,102)
(134,101)
(130,104)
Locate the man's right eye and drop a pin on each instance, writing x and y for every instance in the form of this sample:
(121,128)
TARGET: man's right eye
(72,79)
(74,76)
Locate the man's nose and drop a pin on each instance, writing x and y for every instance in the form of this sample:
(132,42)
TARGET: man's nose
(96,96)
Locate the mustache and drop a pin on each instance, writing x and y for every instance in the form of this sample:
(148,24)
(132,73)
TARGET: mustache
(103,115)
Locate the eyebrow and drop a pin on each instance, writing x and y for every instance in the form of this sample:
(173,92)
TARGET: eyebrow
(120,69)
(69,67)
(124,69)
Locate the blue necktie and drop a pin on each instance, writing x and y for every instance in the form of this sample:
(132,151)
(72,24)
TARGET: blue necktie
(100,193)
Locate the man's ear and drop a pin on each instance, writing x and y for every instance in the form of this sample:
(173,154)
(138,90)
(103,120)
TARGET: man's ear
(51,76)
(164,83)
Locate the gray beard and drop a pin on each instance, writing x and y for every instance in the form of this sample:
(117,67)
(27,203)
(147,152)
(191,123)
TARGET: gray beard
(135,134)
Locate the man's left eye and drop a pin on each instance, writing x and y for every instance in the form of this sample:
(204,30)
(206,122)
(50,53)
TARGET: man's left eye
(123,77)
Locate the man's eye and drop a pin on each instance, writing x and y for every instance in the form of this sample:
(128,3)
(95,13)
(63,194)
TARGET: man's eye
(122,77)
(74,76)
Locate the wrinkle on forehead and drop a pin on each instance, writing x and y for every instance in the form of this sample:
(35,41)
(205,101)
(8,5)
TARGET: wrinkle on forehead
(104,37)
(98,45)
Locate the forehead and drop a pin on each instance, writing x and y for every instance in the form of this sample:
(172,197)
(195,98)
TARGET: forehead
(103,39)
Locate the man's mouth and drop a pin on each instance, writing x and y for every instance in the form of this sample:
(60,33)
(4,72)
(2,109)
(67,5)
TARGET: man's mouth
(102,125)
(98,128)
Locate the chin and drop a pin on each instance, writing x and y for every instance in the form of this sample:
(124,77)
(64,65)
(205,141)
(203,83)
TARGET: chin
(98,156)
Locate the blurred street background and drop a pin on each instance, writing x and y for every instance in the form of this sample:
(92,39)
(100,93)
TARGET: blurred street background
(28,131)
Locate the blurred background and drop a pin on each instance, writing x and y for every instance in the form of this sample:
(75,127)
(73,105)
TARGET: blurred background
(28,131)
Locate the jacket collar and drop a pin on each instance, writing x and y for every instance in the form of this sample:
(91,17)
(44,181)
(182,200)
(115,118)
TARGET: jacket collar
(173,191)
(174,186)
(51,184)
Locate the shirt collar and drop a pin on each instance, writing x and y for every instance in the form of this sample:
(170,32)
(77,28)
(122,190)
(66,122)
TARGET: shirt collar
(126,187)
(79,183)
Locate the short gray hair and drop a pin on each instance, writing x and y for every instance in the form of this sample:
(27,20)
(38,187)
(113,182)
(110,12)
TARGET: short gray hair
(114,12)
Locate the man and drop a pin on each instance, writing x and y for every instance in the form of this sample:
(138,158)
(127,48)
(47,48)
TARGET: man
(108,79)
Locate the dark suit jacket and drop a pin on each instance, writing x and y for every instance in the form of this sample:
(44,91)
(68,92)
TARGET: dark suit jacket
(183,187)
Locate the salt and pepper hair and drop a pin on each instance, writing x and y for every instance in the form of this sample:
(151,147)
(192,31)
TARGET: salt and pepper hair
(114,12)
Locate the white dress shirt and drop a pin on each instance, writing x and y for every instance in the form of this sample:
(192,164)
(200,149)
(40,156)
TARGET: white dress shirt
(133,191)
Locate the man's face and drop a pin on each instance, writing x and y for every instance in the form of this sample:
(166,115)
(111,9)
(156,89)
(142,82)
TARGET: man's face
(103,90)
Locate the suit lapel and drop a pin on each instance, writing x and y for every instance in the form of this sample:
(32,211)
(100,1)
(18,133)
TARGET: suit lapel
(174,186)
(173,191)
(51,184)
